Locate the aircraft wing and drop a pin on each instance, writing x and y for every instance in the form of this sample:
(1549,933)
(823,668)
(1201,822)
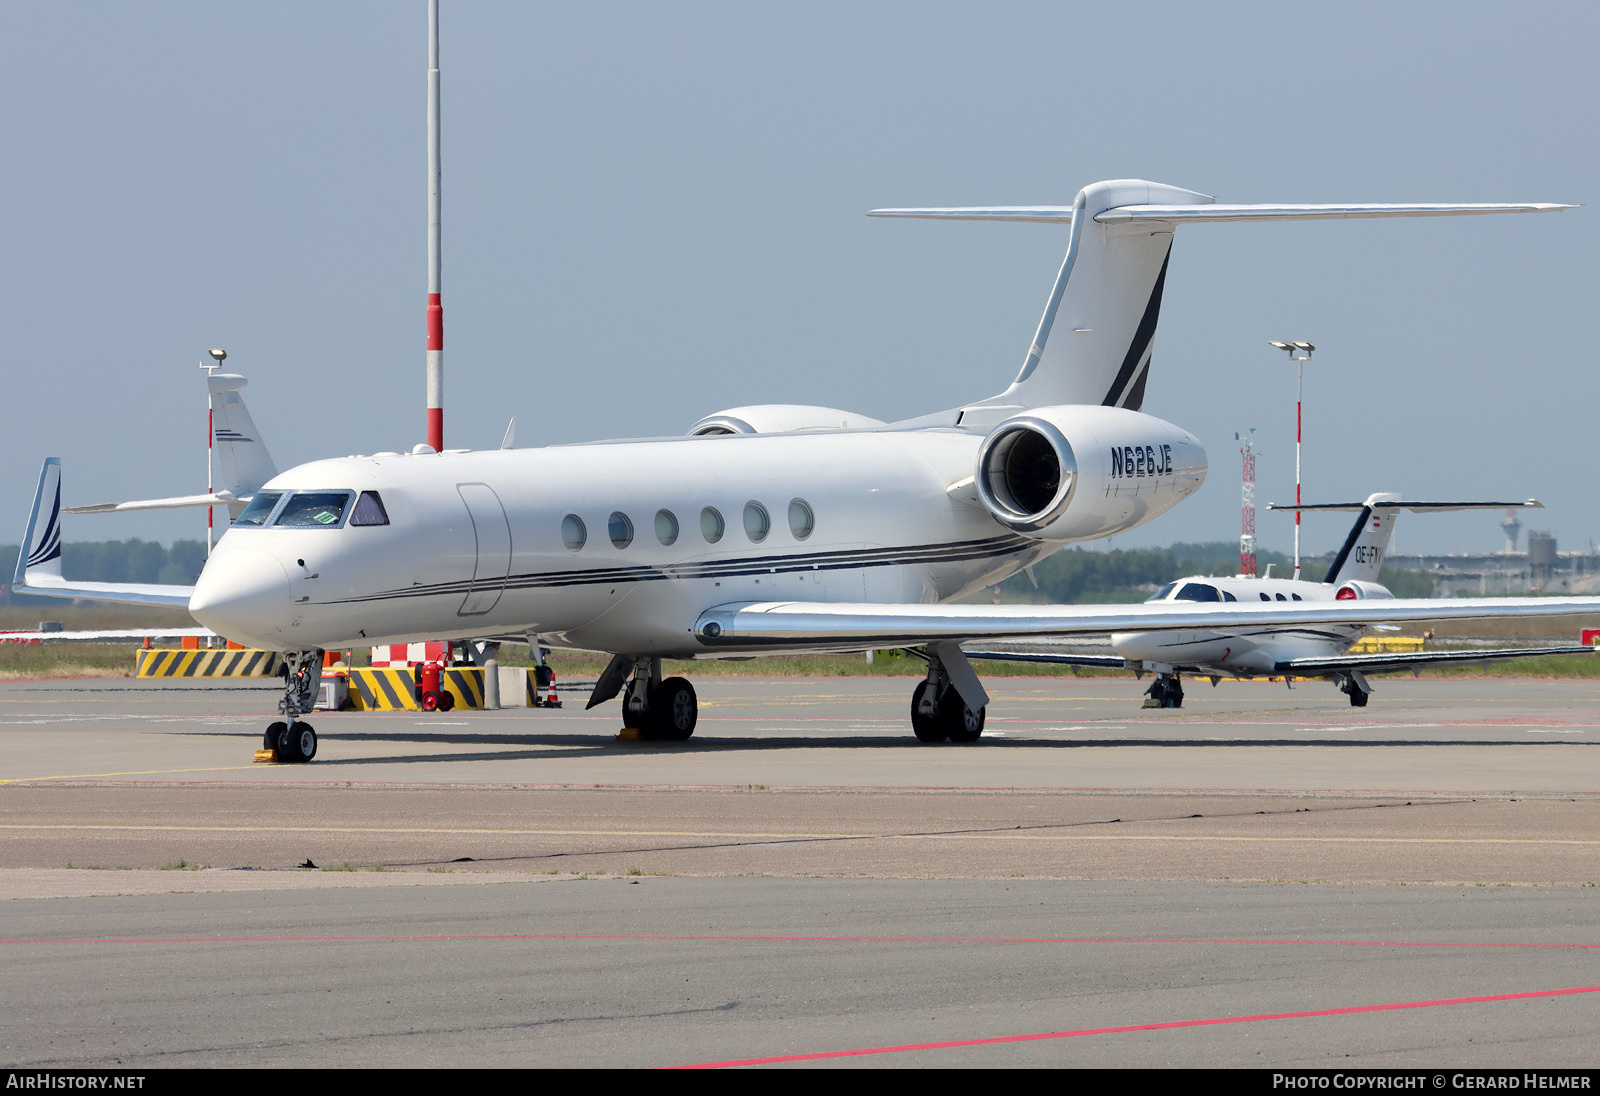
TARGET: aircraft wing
(1104,662)
(219,498)
(799,624)
(1383,663)
(104,635)
(39,559)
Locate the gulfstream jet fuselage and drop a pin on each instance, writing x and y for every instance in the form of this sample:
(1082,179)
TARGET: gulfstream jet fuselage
(770,528)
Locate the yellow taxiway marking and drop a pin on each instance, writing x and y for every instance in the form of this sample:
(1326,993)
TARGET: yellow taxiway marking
(724,835)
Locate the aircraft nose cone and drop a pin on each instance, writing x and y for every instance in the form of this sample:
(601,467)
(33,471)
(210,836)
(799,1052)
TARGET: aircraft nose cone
(243,595)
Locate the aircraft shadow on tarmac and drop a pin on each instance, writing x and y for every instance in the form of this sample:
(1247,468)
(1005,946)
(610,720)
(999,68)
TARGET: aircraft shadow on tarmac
(570,746)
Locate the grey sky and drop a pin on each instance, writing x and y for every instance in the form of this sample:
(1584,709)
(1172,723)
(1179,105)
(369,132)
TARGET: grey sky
(653,211)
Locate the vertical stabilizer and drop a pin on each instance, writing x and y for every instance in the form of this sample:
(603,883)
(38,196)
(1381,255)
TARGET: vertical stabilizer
(40,553)
(242,455)
(1094,340)
(1367,546)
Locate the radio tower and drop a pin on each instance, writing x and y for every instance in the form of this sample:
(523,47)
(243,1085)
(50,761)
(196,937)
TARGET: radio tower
(1247,533)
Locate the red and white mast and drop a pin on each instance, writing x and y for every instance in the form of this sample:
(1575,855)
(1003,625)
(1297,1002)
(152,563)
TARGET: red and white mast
(1247,533)
(435,303)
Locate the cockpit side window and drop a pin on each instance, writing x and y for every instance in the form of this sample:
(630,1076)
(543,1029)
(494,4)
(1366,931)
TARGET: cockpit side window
(1161,594)
(260,509)
(313,510)
(369,510)
(1197,591)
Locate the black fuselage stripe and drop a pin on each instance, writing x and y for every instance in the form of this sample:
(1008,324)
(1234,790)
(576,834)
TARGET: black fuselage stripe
(1142,336)
(828,561)
(1349,544)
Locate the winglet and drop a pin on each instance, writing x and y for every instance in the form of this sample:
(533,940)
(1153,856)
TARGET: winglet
(41,547)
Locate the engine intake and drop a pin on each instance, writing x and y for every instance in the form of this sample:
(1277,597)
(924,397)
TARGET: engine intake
(1027,473)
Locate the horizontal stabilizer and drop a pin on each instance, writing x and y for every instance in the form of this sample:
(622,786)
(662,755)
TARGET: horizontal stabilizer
(1414,507)
(220,498)
(1226,213)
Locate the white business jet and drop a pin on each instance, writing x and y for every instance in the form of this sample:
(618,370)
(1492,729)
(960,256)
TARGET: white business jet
(766,529)
(1300,650)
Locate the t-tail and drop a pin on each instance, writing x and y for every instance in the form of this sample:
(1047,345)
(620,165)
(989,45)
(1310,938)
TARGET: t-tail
(1367,546)
(242,456)
(1093,344)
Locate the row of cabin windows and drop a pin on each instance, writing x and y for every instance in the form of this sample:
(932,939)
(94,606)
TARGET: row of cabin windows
(1200,591)
(713,527)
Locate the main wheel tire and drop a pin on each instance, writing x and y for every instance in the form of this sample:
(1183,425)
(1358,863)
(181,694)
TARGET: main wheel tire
(269,741)
(961,723)
(674,710)
(297,744)
(925,727)
(1175,695)
(1358,699)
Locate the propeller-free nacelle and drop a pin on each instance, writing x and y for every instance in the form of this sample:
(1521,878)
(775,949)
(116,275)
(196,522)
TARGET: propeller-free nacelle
(1073,472)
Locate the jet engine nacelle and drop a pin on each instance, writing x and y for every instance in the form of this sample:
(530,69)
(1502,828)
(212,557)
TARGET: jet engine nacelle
(779,418)
(1360,591)
(1076,472)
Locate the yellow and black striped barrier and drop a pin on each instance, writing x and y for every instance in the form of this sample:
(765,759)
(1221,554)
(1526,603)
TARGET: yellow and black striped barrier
(394,690)
(213,663)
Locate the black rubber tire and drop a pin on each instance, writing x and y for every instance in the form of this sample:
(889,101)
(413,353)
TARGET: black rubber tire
(269,741)
(925,728)
(1358,699)
(961,723)
(446,700)
(297,744)
(674,710)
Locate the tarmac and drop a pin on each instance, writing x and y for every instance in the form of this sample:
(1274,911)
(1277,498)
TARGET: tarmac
(1265,878)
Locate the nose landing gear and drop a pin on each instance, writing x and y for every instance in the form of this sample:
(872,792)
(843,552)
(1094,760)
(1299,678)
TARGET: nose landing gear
(294,741)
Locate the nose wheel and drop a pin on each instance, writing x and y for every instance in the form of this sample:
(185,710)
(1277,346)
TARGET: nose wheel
(294,741)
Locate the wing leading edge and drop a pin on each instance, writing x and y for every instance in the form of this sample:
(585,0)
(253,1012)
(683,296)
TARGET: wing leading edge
(796,624)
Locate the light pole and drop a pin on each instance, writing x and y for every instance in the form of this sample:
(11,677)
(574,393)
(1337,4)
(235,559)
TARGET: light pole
(1299,353)
(218,356)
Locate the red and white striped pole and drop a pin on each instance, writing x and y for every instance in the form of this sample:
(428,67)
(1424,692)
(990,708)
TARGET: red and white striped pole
(435,292)
(1299,360)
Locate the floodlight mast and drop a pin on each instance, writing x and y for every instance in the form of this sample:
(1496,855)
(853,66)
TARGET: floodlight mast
(1304,355)
(218,356)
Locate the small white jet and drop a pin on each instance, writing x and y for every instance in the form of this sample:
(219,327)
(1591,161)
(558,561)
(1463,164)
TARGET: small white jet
(768,528)
(1285,650)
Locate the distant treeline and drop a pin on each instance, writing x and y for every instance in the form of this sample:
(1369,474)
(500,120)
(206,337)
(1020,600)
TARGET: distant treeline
(1122,575)
(121,561)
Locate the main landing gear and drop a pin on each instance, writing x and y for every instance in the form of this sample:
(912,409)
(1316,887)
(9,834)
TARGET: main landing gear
(1354,685)
(295,742)
(1166,691)
(938,712)
(661,710)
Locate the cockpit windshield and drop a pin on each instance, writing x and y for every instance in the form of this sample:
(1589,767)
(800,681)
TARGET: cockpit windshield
(313,509)
(1197,591)
(260,509)
(1161,594)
